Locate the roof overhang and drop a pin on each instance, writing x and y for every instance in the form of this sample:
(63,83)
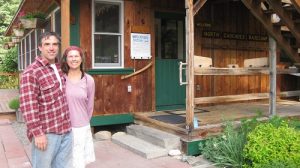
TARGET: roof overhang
(45,6)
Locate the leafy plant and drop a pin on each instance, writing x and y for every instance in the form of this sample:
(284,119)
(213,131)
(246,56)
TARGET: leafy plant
(9,61)
(295,123)
(226,149)
(273,143)
(14,104)
(35,14)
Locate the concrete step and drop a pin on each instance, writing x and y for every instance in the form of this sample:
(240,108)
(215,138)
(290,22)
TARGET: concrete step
(155,136)
(139,146)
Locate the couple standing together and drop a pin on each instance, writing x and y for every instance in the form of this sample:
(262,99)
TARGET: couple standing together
(57,104)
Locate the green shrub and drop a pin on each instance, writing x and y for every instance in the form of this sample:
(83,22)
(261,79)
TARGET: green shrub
(10,61)
(226,150)
(9,82)
(273,144)
(14,103)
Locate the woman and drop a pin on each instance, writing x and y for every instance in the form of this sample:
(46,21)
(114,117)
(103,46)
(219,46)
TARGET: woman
(80,91)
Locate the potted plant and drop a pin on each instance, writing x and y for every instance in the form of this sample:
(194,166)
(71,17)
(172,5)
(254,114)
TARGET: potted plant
(32,19)
(15,39)
(5,46)
(15,105)
(9,42)
(18,30)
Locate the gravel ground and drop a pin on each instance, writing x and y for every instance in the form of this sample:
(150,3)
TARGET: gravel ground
(20,130)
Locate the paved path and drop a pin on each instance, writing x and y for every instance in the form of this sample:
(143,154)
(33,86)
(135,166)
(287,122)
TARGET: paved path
(5,96)
(12,152)
(108,155)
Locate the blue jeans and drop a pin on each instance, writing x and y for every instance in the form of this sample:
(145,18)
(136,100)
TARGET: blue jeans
(57,155)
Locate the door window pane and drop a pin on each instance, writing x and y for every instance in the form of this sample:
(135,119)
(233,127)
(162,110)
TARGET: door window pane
(169,38)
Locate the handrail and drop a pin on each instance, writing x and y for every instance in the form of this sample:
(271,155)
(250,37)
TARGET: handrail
(8,73)
(137,72)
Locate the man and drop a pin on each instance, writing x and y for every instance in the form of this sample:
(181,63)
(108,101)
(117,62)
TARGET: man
(44,107)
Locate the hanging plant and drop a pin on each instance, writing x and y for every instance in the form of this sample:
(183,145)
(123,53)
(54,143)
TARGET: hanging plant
(15,39)
(32,20)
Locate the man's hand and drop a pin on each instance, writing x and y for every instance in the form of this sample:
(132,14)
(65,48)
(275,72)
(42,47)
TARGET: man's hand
(41,142)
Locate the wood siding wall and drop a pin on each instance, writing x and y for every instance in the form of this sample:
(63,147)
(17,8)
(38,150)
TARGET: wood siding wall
(229,17)
(111,91)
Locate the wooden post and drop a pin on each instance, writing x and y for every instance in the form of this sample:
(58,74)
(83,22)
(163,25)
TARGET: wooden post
(190,65)
(65,24)
(272,58)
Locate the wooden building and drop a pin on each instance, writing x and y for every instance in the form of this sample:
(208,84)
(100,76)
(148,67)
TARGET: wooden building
(134,48)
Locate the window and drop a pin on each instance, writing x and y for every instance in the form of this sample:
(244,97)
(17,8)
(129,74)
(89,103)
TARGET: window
(23,54)
(19,56)
(32,47)
(57,22)
(27,50)
(108,34)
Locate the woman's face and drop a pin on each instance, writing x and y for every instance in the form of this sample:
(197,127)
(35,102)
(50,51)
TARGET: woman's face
(74,60)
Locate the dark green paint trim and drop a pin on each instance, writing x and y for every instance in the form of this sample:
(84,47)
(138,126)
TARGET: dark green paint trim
(192,147)
(74,28)
(171,107)
(111,119)
(110,71)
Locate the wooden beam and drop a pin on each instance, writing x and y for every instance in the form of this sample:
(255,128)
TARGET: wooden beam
(242,97)
(242,71)
(231,98)
(255,9)
(190,67)
(198,5)
(57,2)
(285,17)
(296,4)
(272,79)
(161,125)
(65,26)
(290,93)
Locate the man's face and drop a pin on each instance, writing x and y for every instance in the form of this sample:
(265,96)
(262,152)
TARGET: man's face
(49,48)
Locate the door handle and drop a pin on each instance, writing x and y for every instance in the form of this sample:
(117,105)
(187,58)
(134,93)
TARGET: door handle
(182,66)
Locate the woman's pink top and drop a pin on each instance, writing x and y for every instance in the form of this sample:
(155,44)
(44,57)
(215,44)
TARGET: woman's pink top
(80,97)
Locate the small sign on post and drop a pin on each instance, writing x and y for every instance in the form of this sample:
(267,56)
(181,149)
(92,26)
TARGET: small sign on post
(140,46)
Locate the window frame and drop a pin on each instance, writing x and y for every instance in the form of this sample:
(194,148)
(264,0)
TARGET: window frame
(54,19)
(121,34)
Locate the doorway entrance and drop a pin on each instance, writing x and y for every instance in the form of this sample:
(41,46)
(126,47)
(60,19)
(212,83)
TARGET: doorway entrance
(170,50)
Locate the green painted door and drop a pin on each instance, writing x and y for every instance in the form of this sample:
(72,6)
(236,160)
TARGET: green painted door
(170,50)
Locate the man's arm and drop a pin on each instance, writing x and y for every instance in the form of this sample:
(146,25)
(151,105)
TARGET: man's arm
(29,91)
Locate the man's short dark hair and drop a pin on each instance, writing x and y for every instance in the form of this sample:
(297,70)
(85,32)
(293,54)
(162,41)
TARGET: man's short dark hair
(46,35)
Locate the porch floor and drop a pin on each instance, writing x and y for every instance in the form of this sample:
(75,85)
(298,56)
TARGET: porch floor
(211,118)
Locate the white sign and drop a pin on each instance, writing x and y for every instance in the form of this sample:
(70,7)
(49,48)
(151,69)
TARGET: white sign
(140,46)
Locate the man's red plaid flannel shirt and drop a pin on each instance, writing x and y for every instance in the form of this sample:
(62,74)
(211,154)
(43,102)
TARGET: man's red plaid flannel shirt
(43,104)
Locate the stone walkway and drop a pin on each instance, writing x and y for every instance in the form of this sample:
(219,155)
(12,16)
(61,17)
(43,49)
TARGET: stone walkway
(13,154)
(108,155)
